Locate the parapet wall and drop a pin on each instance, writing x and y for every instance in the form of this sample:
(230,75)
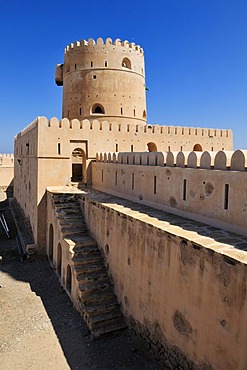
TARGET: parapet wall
(210,187)
(6,171)
(6,160)
(122,137)
(100,42)
(222,160)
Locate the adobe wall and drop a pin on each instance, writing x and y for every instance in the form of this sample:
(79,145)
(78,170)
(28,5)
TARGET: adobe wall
(185,293)
(6,171)
(216,195)
(97,136)
(43,154)
(26,174)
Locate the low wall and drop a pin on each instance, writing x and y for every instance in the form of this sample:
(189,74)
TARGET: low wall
(185,293)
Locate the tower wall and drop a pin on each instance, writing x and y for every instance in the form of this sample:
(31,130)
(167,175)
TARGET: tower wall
(103,81)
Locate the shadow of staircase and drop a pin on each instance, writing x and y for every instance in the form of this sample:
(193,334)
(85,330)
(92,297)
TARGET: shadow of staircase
(98,303)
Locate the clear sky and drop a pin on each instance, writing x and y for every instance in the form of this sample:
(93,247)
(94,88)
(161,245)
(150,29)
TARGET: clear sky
(195,54)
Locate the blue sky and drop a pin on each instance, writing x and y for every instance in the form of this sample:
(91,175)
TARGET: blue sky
(195,54)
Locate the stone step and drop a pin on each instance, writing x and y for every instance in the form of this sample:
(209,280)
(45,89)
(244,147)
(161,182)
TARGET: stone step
(89,267)
(65,200)
(68,218)
(85,241)
(108,303)
(74,233)
(113,325)
(66,204)
(76,222)
(87,251)
(93,285)
(78,240)
(87,259)
(97,295)
(98,320)
(68,212)
(74,229)
(59,201)
(91,275)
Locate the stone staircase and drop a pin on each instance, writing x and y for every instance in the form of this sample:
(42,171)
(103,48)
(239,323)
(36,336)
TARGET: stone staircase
(98,302)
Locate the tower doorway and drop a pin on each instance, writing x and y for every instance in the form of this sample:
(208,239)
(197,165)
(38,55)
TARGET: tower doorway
(78,165)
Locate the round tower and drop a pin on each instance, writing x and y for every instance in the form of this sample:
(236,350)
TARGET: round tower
(103,81)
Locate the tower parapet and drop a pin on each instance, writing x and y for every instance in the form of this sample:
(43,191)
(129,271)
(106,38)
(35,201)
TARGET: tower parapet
(103,81)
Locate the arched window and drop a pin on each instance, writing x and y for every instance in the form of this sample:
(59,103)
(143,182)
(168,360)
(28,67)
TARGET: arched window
(126,63)
(144,115)
(197,148)
(98,109)
(152,147)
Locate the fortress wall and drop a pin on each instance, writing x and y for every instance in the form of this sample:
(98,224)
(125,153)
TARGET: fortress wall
(215,196)
(43,155)
(6,171)
(98,136)
(181,293)
(26,174)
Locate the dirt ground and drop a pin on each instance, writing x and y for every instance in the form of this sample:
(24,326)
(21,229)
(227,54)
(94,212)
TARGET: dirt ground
(40,329)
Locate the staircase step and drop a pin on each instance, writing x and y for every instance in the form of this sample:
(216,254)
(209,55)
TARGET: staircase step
(76,222)
(90,267)
(92,251)
(63,199)
(85,241)
(87,249)
(98,294)
(91,275)
(98,320)
(94,285)
(63,203)
(69,218)
(97,306)
(69,212)
(87,259)
(71,229)
(110,326)
(77,234)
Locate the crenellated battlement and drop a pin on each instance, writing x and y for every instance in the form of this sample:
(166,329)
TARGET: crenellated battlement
(100,43)
(152,130)
(6,159)
(221,160)
(124,137)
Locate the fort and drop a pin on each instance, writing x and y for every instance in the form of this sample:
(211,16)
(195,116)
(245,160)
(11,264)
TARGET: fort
(144,224)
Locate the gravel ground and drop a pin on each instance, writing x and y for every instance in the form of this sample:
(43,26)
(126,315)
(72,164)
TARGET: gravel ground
(40,329)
